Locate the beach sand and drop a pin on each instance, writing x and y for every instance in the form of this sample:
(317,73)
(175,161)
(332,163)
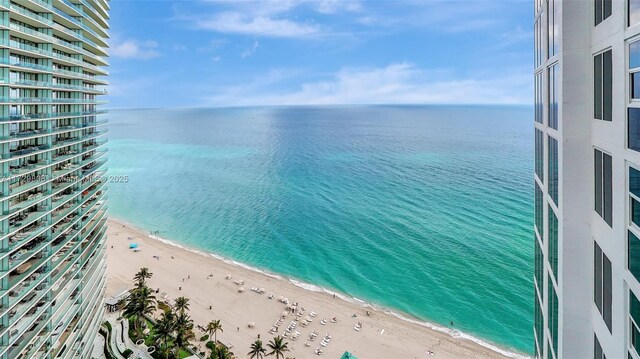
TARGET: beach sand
(201,277)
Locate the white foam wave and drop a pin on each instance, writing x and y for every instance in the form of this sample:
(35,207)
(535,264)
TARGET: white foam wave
(353,300)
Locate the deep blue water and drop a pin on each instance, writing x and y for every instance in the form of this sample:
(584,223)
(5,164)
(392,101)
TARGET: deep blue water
(427,210)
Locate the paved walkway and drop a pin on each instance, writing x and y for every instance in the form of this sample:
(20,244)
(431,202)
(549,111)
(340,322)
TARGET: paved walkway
(98,348)
(116,343)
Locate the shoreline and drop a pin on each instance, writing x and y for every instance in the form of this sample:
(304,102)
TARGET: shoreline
(330,294)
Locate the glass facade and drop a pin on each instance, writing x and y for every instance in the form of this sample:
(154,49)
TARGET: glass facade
(602,284)
(538,327)
(603,186)
(602,10)
(552,317)
(538,34)
(634,323)
(553,241)
(553,96)
(597,349)
(539,98)
(552,28)
(602,86)
(539,206)
(539,154)
(633,255)
(552,163)
(633,129)
(539,265)
(53,159)
(634,12)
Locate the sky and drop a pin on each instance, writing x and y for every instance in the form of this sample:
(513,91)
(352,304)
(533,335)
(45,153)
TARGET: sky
(219,53)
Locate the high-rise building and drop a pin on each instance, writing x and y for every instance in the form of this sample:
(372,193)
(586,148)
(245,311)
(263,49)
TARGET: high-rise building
(52,189)
(587,179)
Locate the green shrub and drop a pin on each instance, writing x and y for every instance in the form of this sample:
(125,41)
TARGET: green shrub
(127,353)
(210,344)
(108,325)
(204,338)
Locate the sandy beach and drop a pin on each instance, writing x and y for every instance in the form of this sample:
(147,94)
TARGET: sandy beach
(202,278)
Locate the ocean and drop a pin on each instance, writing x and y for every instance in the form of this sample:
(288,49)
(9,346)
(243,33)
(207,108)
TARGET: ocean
(424,210)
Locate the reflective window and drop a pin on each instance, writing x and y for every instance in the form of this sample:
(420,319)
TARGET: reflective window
(538,327)
(602,86)
(602,284)
(539,264)
(635,211)
(633,256)
(552,28)
(552,316)
(539,202)
(634,12)
(539,154)
(633,129)
(538,83)
(602,11)
(634,319)
(603,186)
(552,164)
(553,241)
(634,181)
(553,96)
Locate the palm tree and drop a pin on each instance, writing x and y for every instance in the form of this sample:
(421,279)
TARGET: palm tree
(212,329)
(257,351)
(142,276)
(163,330)
(278,346)
(141,302)
(184,331)
(220,352)
(181,304)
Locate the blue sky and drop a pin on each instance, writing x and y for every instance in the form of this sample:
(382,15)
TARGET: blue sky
(212,53)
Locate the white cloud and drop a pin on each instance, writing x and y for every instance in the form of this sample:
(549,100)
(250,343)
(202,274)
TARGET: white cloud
(258,25)
(250,51)
(213,45)
(132,49)
(216,59)
(333,6)
(400,83)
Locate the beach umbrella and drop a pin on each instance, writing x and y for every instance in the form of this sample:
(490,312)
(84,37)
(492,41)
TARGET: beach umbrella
(285,313)
(241,289)
(133,245)
(251,324)
(280,298)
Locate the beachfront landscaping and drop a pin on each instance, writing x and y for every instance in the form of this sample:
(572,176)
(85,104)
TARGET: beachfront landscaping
(171,333)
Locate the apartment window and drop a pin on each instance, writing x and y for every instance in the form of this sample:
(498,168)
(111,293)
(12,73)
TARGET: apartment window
(538,327)
(603,10)
(553,96)
(538,43)
(602,86)
(552,253)
(552,184)
(634,12)
(539,265)
(597,349)
(552,317)
(603,186)
(539,202)
(634,70)
(633,254)
(538,94)
(602,284)
(552,39)
(634,319)
(539,154)
(633,129)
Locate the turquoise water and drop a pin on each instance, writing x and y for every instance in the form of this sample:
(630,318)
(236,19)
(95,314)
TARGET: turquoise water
(426,210)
